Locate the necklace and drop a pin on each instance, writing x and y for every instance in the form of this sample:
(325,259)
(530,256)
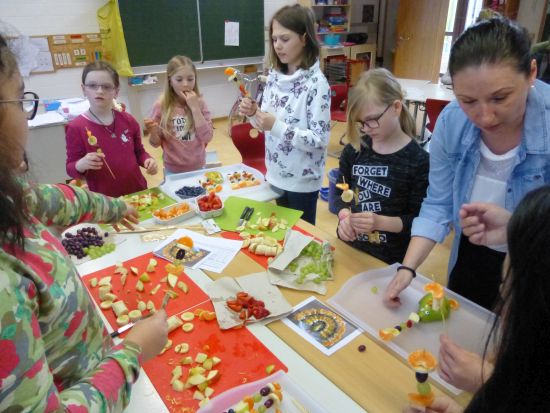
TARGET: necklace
(111,132)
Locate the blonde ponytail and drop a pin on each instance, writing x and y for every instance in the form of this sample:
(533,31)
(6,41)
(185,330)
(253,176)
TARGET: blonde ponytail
(380,86)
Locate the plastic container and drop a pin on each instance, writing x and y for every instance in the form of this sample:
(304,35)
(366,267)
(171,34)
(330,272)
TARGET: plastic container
(209,214)
(333,175)
(189,214)
(51,105)
(332,39)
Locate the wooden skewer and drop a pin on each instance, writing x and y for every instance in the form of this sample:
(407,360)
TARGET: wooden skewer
(107,164)
(139,229)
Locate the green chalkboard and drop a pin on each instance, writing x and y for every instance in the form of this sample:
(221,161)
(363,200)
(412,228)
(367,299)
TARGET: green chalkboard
(156,30)
(249,14)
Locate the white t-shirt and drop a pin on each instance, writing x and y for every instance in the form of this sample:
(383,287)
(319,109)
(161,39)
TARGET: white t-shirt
(491,177)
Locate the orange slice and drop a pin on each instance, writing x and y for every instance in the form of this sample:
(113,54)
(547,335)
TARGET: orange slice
(436,289)
(187,241)
(420,400)
(422,361)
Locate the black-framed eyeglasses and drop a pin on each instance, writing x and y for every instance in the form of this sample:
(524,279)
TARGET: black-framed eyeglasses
(373,123)
(96,86)
(29,104)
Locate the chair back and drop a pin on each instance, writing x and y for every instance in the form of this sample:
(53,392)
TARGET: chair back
(433,109)
(338,97)
(338,102)
(354,70)
(251,144)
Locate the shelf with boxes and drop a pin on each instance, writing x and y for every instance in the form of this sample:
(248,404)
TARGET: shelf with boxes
(333,18)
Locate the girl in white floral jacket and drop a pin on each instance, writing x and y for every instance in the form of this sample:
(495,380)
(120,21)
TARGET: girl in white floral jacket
(295,111)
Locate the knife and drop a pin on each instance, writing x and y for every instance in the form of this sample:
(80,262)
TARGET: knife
(130,325)
(243,215)
(248,216)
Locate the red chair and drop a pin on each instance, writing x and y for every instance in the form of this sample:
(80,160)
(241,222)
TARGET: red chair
(338,102)
(250,145)
(433,109)
(338,106)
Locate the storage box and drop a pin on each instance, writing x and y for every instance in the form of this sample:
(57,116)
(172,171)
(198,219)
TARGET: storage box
(332,39)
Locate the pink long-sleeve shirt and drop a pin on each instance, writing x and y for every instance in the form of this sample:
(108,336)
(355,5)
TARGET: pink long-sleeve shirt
(184,149)
(124,154)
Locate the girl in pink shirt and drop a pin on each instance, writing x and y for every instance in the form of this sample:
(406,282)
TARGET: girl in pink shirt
(104,145)
(180,121)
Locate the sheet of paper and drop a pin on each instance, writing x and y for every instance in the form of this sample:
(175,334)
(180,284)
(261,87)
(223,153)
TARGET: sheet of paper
(44,61)
(258,286)
(47,118)
(321,326)
(222,250)
(191,260)
(231,33)
(26,53)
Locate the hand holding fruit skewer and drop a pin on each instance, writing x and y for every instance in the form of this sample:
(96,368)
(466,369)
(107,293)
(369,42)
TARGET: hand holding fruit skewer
(236,76)
(351,224)
(93,160)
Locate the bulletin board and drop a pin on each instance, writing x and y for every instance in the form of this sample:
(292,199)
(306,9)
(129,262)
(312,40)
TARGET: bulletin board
(74,50)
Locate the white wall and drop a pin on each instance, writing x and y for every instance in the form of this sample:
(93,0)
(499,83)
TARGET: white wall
(46,17)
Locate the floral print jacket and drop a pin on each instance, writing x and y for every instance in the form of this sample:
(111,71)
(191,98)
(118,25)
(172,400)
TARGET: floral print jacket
(55,353)
(296,146)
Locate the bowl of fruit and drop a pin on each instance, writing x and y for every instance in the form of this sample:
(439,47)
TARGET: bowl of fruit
(174,213)
(87,242)
(187,192)
(210,206)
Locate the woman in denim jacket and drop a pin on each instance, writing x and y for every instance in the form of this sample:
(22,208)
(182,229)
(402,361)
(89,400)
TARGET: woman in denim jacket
(490,145)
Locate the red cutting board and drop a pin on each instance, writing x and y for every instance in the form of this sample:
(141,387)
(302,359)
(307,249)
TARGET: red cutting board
(260,259)
(243,357)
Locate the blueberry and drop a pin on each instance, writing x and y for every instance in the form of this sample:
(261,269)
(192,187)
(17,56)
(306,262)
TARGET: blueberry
(421,377)
(268,403)
(264,391)
(180,255)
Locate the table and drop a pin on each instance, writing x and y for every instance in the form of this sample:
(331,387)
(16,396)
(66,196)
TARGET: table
(47,154)
(416,94)
(348,381)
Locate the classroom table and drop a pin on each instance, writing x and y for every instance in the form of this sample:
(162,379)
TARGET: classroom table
(416,94)
(347,381)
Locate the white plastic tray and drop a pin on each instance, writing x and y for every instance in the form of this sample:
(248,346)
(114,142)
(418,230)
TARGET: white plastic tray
(291,391)
(175,182)
(468,326)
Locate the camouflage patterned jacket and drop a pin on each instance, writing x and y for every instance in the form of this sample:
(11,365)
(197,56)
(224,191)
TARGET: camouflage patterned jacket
(55,353)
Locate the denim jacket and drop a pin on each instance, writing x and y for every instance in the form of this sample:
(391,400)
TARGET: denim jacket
(454,159)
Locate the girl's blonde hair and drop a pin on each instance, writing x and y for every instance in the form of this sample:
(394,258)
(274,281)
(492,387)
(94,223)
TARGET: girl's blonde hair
(169,97)
(379,86)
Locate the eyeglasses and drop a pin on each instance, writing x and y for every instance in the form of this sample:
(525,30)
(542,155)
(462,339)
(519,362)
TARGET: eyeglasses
(29,104)
(373,123)
(95,87)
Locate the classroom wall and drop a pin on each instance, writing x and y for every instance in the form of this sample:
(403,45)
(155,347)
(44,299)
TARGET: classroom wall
(44,17)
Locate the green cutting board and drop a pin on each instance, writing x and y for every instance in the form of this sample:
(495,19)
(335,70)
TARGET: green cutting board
(147,212)
(233,208)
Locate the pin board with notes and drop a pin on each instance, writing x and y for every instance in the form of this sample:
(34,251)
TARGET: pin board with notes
(74,50)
